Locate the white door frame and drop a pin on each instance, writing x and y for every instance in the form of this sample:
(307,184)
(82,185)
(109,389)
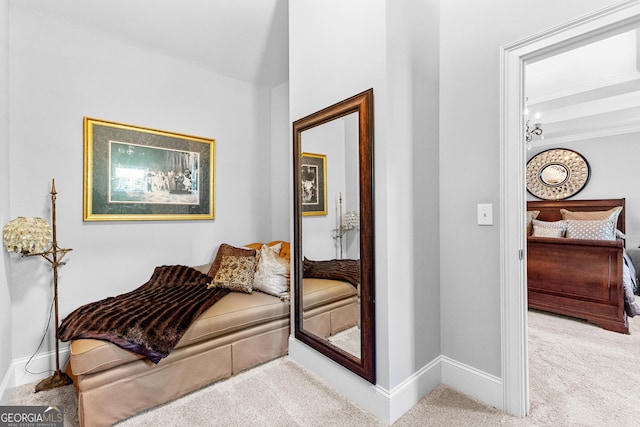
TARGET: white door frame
(515,375)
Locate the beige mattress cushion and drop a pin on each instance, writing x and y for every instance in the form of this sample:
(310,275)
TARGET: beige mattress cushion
(234,312)
(318,292)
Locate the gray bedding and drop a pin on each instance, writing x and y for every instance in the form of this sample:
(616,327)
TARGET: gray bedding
(630,282)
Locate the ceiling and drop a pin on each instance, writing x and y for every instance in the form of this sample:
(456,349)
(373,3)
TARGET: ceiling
(243,39)
(586,92)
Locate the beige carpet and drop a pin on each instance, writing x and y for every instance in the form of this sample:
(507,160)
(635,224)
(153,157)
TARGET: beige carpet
(580,375)
(348,340)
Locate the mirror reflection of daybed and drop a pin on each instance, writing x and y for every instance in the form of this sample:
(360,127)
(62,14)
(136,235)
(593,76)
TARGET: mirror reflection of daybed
(239,331)
(576,262)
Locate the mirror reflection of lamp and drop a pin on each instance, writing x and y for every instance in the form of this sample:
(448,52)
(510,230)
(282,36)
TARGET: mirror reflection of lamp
(32,237)
(347,222)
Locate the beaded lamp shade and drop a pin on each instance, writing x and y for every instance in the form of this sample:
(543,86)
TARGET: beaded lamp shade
(26,235)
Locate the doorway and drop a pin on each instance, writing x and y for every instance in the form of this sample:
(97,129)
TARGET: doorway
(615,19)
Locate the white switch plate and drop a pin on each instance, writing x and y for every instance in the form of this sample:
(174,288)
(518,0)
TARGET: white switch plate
(485,214)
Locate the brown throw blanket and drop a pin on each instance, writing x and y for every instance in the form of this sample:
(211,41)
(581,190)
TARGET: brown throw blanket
(347,270)
(149,320)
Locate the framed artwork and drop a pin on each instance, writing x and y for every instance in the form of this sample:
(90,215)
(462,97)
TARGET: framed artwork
(314,184)
(136,173)
(557,174)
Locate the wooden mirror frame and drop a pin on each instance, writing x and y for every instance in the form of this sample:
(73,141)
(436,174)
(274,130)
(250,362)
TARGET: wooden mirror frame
(363,105)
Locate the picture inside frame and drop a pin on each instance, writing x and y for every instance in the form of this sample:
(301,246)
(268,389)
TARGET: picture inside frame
(140,174)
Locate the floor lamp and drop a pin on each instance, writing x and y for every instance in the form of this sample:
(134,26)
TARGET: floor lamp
(30,237)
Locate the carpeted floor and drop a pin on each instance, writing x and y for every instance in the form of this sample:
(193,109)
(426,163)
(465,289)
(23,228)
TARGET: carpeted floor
(580,375)
(348,340)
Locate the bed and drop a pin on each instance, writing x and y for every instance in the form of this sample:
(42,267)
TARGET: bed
(579,277)
(118,376)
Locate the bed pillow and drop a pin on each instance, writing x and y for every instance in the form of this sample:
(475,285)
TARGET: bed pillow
(284,251)
(549,228)
(612,214)
(531,215)
(272,272)
(335,269)
(591,229)
(226,250)
(236,273)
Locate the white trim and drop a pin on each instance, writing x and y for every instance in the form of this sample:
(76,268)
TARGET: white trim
(512,267)
(8,382)
(43,363)
(390,405)
(601,133)
(372,398)
(17,375)
(512,278)
(572,91)
(409,392)
(472,382)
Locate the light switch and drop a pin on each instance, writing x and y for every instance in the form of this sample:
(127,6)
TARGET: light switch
(485,214)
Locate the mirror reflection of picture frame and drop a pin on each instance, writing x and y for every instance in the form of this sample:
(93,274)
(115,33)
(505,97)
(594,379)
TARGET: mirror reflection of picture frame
(313,175)
(557,174)
(136,173)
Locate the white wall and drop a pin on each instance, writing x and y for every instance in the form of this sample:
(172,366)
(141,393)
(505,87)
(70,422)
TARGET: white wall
(412,191)
(471,36)
(281,146)
(61,73)
(613,161)
(5,297)
(392,47)
(336,50)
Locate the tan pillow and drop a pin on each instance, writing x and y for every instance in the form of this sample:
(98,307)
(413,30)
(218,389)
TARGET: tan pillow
(549,229)
(285,247)
(611,214)
(591,229)
(236,273)
(531,215)
(272,272)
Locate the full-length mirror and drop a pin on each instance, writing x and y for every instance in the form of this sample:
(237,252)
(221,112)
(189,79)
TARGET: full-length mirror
(333,233)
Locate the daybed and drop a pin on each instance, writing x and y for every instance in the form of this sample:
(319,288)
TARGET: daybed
(240,331)
(571,273)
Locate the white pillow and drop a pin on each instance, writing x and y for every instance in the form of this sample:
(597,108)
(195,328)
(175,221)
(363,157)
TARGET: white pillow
(549,229)
(272,273)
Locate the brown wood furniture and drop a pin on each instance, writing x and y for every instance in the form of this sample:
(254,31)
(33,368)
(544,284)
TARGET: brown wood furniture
(574,277)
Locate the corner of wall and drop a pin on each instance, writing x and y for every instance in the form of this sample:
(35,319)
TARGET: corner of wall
(5,296)
(7,384)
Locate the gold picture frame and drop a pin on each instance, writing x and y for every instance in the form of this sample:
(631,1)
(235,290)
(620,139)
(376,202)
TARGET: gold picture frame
(137,173)
(313,184)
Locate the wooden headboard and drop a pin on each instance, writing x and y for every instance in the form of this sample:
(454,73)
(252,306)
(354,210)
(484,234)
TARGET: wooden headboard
(550,209)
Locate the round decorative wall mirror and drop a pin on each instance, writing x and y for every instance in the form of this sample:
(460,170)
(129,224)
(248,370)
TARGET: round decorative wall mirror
(557,174)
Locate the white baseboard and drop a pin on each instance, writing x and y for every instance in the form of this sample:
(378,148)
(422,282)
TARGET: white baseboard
(42,365)
(473,382)
(8,382)
(385,405)
(389,406)
(405,395)
(369,397)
